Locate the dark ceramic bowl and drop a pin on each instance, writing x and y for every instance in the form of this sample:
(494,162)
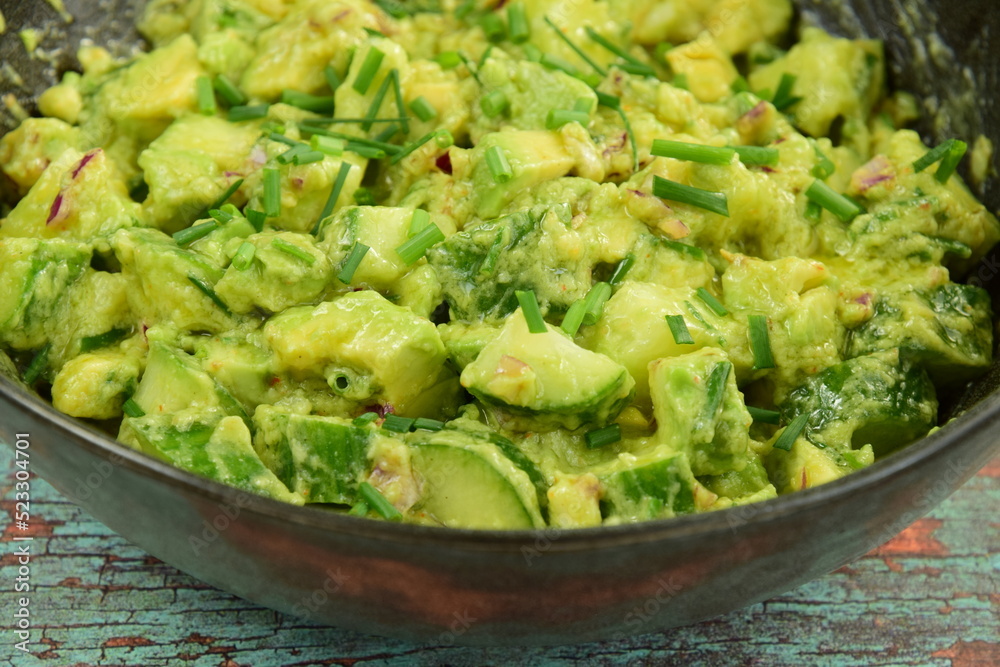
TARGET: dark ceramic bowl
(549,587)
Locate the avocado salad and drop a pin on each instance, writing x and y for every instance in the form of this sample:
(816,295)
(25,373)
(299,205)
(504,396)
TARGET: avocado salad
(488,264)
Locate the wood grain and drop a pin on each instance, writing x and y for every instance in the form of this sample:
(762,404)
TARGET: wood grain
(931,596)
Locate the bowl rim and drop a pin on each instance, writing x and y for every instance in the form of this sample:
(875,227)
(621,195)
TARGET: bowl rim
(973,421)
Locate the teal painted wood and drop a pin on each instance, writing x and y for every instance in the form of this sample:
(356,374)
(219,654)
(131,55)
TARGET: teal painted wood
(929,597)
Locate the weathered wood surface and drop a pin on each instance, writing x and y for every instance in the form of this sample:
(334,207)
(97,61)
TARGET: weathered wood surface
(929,597)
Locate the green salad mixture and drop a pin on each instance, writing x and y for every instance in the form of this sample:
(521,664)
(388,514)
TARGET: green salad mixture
(492,264)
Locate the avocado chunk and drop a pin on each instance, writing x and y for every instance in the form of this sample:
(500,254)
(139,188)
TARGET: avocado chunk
(96,384)
(369,350)
(547,378)
(945,329)
(164,282)
(382,229)
(37,142)
(466,482)
(481,267)
(36,277)
(883,399)
(287,270)
(219,449)
(807,465)
(655,486)
(79,197)
(173,382)
(700,411)
(321,459)
(535,156)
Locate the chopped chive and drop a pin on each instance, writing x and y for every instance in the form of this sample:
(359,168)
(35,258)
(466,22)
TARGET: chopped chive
(288,156)
(424,424)
(791,433)
(715,389)
(376,102)
(359,508)
(228,90)
(411,251)
(132,409)
(757,156)
(206,96)
(573,319)
(91,343)
(272,126)
(282,139)
(615,49)
(639,69)
(680,81)
(272,192)
(207,290)
(494,103)
(397,89)
(364,197)
(388,133)
(423,109)
(225,196)
(602,437)
(580,52)
(256,218)
(365,419)
(314,103)
(631,137)
(443,138)
(813,212)
(762,416)
(397,424)
(352,262)
(833,201)
(411,147)
(498,165)
(783,98)
(378,502)
(824,166)
(679,330)
(852,460)
(692,251)
(518,28)
(244,256)
(293,250)
(532,314)
(373,32)
(556,63)
(594,302)
(365,151)
(37,365)
(327,145)
(950,161)
(308,124)
(421,219)
(220,216)
(682,150)
(449,59)
(610,101)
(493,26)
(584,104)
(622,270)
(192,234)
(369,68)
(696,314)
(713,304)
(716,202)
(331,201)
(531,53)
(760,342)
(489,263)
(333,79)
(559,117)
(933,155)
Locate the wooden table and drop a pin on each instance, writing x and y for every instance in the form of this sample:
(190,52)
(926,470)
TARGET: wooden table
(929,597)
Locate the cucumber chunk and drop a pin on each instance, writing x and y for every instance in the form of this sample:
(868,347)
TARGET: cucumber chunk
(657,486)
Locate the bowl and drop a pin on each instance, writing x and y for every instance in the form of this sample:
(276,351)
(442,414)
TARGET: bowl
(547,586)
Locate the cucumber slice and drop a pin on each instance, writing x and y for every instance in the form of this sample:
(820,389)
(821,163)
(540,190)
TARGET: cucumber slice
(473,487)
(322,459)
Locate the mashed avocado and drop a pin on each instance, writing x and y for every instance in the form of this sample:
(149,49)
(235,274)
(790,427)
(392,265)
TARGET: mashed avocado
(492,265)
